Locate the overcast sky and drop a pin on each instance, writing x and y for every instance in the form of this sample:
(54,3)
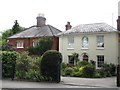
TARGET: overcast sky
(57,12)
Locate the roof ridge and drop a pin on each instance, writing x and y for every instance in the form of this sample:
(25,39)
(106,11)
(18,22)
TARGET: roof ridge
(54,27)
(51,30)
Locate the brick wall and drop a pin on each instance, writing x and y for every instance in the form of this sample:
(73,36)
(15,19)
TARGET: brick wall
(29,42)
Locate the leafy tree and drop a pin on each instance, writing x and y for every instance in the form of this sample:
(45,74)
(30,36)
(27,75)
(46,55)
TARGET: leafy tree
(44,44)
(6,34)
(75,57)
(9,32)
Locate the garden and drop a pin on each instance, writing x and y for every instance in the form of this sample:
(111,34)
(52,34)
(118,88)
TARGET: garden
(86,69)
(21,66)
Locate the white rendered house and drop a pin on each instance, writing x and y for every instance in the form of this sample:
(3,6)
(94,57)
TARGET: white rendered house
(98,42)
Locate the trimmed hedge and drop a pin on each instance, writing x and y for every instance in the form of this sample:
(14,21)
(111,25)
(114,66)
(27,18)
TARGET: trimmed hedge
(51,64)
(8,63)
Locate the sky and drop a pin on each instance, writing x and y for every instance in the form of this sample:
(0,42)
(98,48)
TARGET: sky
(57,12)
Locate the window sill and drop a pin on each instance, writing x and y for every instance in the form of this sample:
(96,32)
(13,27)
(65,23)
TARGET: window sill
(84,48)
(100,48)
(20,47)
(70,48)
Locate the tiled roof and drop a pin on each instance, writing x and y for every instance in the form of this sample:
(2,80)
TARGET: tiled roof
(89,28)
(34,31)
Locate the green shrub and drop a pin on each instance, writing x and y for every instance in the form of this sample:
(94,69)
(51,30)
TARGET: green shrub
(102,73)
(28,68)
(82,63)
(44,44)
(88,71)
(76,74)
(8,63)
(110,69)
(97,74)
(22,65)
(63,66)
(68,71)
(50,64)
(76,69)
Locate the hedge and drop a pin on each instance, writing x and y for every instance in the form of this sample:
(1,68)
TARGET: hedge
(8,63)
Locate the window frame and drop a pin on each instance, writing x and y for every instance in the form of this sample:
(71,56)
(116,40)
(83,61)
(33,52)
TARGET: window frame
(72,61)
(20,44)
(35,42)
(83,46)
(70,42)
(100,60)
(98,42)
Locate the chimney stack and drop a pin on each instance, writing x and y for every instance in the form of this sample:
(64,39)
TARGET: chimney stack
(68,26)
(41,20)
(118,20)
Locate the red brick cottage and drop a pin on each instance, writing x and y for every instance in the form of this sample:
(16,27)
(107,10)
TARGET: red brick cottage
(30,36)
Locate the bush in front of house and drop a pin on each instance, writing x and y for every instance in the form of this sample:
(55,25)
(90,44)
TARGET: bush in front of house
(82,63)
(88,71)
(68,71)
(51,64)
(8,63)
(22,65)
(43,45)
(27,68)
(110,69)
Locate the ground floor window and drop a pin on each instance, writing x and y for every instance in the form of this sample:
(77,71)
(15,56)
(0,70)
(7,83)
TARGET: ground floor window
(100,60)
(71,60)
(35,43)
(20,44)
(84,57)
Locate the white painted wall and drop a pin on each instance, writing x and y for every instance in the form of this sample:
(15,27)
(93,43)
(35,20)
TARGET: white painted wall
(110,50)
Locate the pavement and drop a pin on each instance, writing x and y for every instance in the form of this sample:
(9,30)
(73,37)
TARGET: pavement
(66,82)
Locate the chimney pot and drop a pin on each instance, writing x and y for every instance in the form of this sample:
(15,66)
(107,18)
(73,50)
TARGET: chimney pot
(68,26)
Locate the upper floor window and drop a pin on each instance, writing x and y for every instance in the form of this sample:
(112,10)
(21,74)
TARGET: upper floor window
(70,40)
(20,44)
(85,42)
(100,41)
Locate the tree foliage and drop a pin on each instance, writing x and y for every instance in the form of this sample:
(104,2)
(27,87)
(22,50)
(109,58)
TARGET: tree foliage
(44,44)
(16,28)
(9,32)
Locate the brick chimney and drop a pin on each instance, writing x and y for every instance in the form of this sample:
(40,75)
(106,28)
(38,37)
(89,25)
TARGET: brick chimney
(68,26)
(41,20)
(118,20)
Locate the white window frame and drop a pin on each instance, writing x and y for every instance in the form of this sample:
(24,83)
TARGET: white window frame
(20,44)
(35,43)
(100,60)
(84,42)
(99,42)
(70,42)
